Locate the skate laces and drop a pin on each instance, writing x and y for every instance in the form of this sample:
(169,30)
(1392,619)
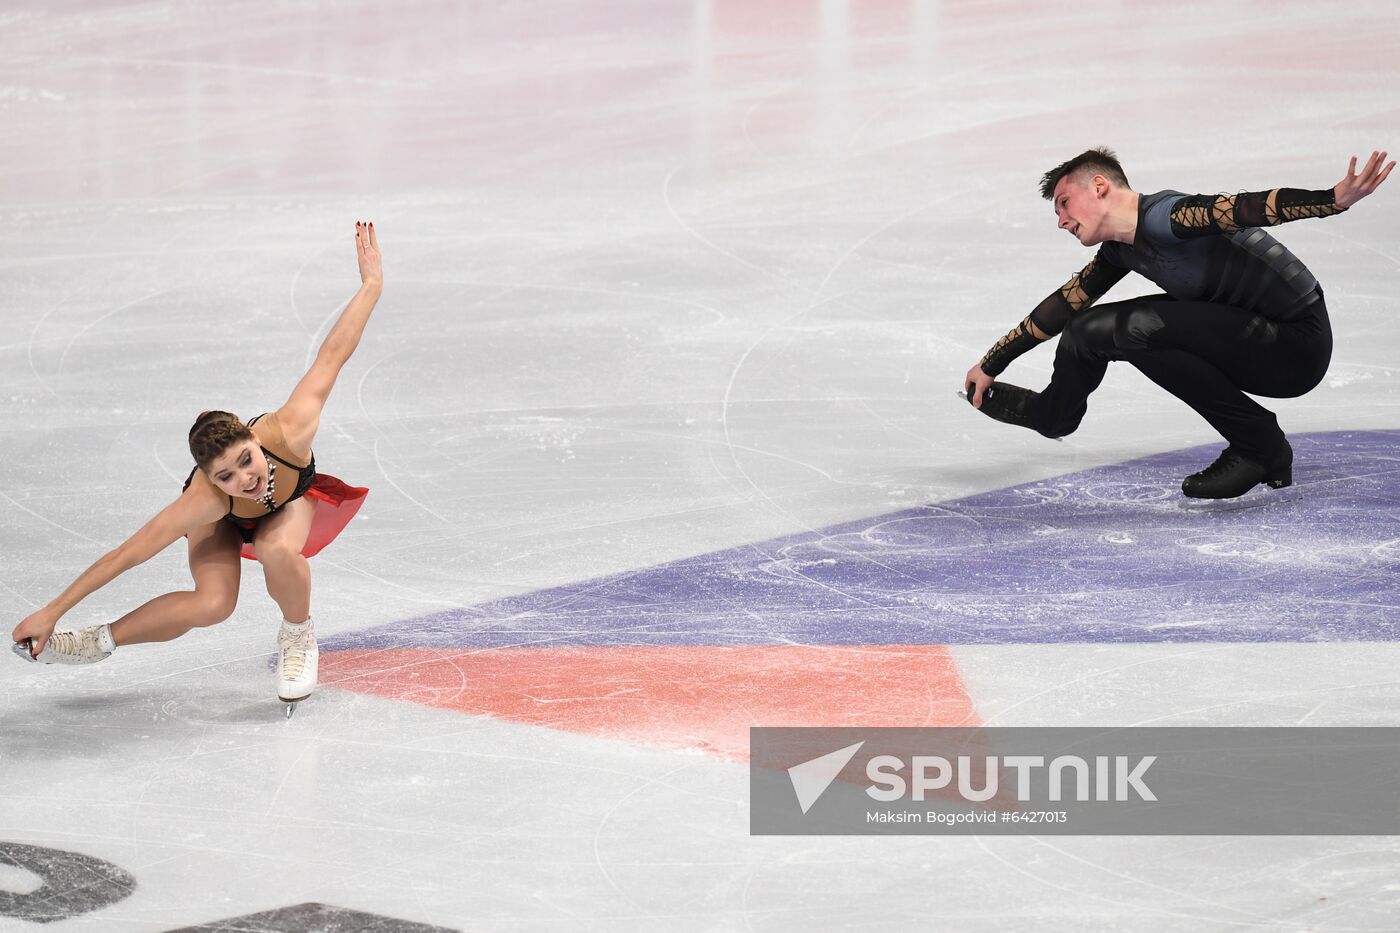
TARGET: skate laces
(295,650)
(1223,464)
(83,645)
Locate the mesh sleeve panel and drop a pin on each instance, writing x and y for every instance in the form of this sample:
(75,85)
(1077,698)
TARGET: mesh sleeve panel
(1050,316)
(1083,289)
(1213,214)
(1017,341)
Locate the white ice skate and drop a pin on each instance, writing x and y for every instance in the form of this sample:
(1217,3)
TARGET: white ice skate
(85,646)
(296,661)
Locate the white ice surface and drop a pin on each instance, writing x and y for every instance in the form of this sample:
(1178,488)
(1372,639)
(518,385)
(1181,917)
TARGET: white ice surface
(660,279)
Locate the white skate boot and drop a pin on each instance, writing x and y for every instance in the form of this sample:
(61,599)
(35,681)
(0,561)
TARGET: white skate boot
(296,661)
(85,646)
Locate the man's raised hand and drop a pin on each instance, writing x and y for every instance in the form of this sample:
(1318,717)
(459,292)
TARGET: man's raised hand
(1354,187)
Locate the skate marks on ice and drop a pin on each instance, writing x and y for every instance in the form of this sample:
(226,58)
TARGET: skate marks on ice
(1103,555)
(821,627)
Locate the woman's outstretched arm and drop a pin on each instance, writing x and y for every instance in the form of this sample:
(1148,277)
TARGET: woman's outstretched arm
(300,416)
(177,519)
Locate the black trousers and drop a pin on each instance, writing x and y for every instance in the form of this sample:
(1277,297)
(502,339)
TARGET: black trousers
(1208,355)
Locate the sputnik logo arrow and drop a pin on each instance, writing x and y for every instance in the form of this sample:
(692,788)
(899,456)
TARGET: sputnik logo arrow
(811,778)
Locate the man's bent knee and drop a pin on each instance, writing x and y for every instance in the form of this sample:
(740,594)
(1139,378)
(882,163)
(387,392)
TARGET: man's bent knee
(1090,332)
(1108,331)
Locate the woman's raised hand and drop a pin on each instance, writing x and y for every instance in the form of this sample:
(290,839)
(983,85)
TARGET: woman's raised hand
(367,249)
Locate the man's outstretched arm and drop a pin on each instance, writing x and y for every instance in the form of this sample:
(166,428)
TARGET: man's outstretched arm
(1212,214)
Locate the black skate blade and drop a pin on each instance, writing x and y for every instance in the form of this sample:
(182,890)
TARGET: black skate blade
(963,395)
(1261,497)
(25,649)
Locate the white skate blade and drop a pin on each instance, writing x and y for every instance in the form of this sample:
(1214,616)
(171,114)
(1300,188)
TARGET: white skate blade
(1257,498)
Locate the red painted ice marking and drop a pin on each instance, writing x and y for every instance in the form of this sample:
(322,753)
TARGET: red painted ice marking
(684,697)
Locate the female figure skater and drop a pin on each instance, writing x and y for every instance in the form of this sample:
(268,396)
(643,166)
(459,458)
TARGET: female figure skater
(255,491)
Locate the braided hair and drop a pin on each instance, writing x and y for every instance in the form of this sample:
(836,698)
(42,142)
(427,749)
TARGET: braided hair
(215,432)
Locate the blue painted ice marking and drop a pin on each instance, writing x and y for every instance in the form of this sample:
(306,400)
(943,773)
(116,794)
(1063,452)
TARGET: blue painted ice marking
(1104,555)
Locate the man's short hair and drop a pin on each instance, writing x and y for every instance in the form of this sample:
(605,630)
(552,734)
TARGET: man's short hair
(1101,161)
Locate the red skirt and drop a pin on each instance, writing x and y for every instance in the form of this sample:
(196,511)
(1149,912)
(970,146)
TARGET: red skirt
(336,503)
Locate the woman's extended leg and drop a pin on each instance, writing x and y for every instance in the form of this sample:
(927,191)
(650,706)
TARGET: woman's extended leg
(214,565)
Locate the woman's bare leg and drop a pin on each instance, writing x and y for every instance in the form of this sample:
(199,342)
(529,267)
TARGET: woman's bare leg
(214,565)
(278,545)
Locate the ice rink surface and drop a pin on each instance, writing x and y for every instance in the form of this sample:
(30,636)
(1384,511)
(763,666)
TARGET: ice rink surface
(658,415)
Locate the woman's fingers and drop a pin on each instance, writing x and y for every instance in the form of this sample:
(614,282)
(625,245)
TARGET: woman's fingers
(365,237)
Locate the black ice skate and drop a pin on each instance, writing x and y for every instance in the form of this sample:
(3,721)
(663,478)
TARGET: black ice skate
(1010,404)
(1233,474)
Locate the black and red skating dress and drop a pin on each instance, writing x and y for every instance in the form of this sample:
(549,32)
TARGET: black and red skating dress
(336,501)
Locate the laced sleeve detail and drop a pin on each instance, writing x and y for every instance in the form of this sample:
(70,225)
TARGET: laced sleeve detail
(1213,214)
(1050,316)
(1081,291)
(1086,286)
(1018,340)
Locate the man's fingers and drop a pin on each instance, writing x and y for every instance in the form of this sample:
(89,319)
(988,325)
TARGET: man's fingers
(1376,172)
(1377,175)
(1373,166)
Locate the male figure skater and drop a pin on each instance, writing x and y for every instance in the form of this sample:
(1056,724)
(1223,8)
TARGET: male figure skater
(1240,312)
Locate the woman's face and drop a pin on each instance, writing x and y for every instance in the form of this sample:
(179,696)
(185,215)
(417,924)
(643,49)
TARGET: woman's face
(241,470)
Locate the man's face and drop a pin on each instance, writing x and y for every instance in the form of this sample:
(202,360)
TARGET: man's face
(1080,206)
